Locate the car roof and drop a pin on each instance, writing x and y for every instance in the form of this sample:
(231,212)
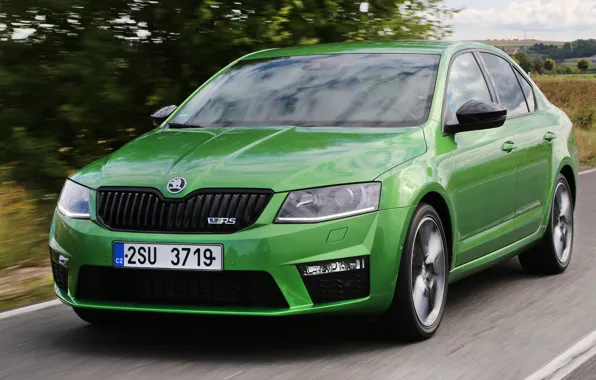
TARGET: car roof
(376,47)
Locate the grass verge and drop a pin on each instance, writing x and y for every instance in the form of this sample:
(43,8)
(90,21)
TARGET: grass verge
(22,286)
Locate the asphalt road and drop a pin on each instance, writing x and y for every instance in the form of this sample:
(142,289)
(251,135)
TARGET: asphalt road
(587,371)
(500,324)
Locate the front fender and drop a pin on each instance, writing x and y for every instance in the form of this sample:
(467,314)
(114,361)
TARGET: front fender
(408,184)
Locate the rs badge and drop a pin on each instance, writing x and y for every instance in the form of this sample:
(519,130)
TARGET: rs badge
(221,220)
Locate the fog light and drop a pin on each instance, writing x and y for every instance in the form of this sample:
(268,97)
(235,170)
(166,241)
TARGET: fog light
(60,269)
(63,260)
(343,265)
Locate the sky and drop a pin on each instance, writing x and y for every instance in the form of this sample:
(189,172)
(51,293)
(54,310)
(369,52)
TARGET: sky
(553,20)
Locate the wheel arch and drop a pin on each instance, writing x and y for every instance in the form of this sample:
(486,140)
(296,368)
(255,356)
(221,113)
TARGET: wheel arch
(569,175)
(439,202)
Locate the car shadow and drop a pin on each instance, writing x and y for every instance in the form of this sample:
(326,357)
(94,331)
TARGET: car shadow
(237,339)
(262,340)
(488,283)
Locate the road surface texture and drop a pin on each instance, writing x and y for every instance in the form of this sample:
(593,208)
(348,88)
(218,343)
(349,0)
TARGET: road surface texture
(587,371)
(500,324)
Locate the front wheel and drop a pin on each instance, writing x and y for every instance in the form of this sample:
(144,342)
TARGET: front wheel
(553,254)
(97,317)
(421,291)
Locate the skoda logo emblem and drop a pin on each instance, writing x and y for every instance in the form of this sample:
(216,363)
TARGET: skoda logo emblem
(176,185)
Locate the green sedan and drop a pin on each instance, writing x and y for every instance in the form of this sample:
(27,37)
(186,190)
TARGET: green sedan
(338,178)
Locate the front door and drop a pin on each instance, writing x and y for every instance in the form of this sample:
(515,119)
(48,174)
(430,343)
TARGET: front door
(485,170)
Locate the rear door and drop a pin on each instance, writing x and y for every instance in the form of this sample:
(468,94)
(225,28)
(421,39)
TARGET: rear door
(532,138)
(483,182)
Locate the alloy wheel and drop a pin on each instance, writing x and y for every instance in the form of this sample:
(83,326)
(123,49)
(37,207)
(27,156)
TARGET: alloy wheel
(562,222)
(428,271)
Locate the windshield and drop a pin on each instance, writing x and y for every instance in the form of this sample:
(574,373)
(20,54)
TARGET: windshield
(321,90)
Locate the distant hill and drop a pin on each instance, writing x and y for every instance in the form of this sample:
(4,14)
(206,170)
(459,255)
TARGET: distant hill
(519,43)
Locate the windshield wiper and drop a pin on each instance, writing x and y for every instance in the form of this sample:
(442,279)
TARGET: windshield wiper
(181,126)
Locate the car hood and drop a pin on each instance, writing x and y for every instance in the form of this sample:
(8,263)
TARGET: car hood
(277,158)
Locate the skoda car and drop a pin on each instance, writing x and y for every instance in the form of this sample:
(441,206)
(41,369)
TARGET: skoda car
(333,178)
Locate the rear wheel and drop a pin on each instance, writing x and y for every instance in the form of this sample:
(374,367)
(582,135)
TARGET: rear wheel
(553,254)
(421,291)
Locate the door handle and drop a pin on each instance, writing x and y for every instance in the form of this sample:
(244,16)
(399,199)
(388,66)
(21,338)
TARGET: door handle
(508,146)
(549,136)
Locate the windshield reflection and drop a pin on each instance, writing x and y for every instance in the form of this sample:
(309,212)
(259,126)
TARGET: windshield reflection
(325,90)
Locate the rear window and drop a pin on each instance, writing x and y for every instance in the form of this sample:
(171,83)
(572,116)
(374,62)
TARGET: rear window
(507,85)
(528,91)
(321,90)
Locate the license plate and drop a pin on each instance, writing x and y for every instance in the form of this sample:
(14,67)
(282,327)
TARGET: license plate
(168,256)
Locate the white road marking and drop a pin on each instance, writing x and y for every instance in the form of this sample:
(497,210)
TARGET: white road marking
(587,171)
(233,375)
(29,309)
(568,361)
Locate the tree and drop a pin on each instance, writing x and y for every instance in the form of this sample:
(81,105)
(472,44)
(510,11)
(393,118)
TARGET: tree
(549,64)
(583,65)
(539,65)
(575,49)
(525,61)
(90,72)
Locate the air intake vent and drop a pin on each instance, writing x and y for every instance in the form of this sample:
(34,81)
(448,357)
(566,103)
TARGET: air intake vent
(154,287)
(203,211)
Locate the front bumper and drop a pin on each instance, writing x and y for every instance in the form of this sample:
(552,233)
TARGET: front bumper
(273,248)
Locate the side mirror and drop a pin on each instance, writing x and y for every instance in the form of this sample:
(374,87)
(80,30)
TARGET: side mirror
(160,115)
(476,115)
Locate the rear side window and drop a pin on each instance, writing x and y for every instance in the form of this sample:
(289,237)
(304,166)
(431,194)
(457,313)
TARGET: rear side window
(466,83)
(508,88)
(528,91)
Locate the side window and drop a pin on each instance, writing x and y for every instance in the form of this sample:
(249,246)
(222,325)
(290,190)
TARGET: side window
(508,89)
(465,83)
(527,91)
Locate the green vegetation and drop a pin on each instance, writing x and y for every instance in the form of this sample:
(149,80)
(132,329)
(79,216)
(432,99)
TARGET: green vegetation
(583,65)
(575,49)
(21,286)
(517,43)
(25,274)
(549,65)
(556,58)
(575,94)
(524,60)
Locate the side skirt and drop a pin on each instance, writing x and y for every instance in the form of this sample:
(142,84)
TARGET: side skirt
(495,257)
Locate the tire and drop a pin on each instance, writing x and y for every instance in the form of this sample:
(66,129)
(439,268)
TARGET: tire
(96,317)
(553,253)
(421,291)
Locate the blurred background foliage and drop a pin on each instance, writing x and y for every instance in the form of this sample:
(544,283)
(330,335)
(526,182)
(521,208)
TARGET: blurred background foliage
(78,78)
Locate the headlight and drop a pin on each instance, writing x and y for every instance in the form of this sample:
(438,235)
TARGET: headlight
(74,201)
(327,203)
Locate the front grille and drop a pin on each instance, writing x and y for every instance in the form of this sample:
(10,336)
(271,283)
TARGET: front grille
(60,274)
(179,288)
(146,210)
(339,286)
